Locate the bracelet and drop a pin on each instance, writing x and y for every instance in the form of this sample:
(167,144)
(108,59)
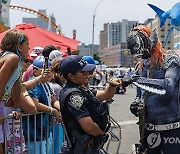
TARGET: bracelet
(26,95)
(51,112)
(16,109)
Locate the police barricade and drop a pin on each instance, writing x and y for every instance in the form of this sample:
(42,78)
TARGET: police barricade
(16,142)
(115,129)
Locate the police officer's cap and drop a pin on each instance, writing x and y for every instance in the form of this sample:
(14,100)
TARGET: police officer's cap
(74,63)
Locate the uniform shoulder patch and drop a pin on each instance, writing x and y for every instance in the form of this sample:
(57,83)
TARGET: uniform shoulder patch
(76,101)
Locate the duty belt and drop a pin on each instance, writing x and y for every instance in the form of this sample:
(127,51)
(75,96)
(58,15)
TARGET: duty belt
(151,127)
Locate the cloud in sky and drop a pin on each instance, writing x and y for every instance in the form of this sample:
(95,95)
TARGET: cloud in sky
(78,14)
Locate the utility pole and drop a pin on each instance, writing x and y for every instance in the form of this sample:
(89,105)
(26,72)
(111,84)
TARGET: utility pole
(92,48)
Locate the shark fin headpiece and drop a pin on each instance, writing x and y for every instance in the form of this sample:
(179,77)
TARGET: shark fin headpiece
(172,14)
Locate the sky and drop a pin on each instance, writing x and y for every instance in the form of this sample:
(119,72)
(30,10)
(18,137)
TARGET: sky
(78,14)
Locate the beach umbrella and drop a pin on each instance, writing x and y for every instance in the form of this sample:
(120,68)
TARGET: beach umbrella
(41,37)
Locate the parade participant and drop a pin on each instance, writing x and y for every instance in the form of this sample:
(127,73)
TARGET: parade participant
(161,71)
(14,46)
(82,111)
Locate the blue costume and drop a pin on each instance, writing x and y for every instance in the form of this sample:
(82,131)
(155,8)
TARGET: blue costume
(168,78)
(162,110)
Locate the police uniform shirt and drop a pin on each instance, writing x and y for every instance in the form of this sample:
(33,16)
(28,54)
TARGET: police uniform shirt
(76,103)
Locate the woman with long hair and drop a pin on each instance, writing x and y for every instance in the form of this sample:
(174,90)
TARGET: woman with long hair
(14,50)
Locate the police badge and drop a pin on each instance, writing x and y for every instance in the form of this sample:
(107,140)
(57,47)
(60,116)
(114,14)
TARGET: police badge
(76,101)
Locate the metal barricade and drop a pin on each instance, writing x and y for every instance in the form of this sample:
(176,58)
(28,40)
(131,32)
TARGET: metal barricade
(115,135)
(17,143)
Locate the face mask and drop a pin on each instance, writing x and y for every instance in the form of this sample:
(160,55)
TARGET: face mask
(139,44)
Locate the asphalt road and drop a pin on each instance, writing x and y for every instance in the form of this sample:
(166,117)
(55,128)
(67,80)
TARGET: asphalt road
(128,134)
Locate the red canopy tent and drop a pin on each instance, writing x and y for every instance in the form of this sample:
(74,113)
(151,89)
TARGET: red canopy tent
(40,37)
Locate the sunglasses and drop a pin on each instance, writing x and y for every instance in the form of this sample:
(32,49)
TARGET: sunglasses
(37,68)
(84,73)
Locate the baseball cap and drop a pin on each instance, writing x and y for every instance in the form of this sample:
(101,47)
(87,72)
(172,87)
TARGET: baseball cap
(47,50)
(74,63)
(55,54)
(36,51)
(39,62)
(90,60)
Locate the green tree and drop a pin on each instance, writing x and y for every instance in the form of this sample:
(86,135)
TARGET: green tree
(75,52)
(96,57)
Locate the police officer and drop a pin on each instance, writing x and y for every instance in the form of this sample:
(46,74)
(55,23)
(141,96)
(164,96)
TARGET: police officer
(82,109)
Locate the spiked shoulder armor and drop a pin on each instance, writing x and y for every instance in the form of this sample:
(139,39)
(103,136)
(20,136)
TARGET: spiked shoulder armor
(171,57)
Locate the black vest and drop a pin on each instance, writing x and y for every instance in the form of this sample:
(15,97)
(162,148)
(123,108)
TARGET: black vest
(98,110)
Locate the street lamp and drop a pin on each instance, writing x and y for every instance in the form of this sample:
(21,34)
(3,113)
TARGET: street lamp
(92,48)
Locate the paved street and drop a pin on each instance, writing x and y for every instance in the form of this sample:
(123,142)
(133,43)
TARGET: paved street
(119,110)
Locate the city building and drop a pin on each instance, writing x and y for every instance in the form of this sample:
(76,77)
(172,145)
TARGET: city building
(113,43)
(117,56)
(86,49)
(40,22)
(115,33)
(177,39)
(103,37)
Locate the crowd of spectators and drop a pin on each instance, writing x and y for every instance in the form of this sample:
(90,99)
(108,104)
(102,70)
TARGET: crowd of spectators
(27,86)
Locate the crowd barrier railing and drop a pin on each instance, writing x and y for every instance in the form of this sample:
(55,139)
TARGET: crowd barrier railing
(16,143)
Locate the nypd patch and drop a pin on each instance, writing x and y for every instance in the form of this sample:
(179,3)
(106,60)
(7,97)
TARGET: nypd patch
(76,101)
